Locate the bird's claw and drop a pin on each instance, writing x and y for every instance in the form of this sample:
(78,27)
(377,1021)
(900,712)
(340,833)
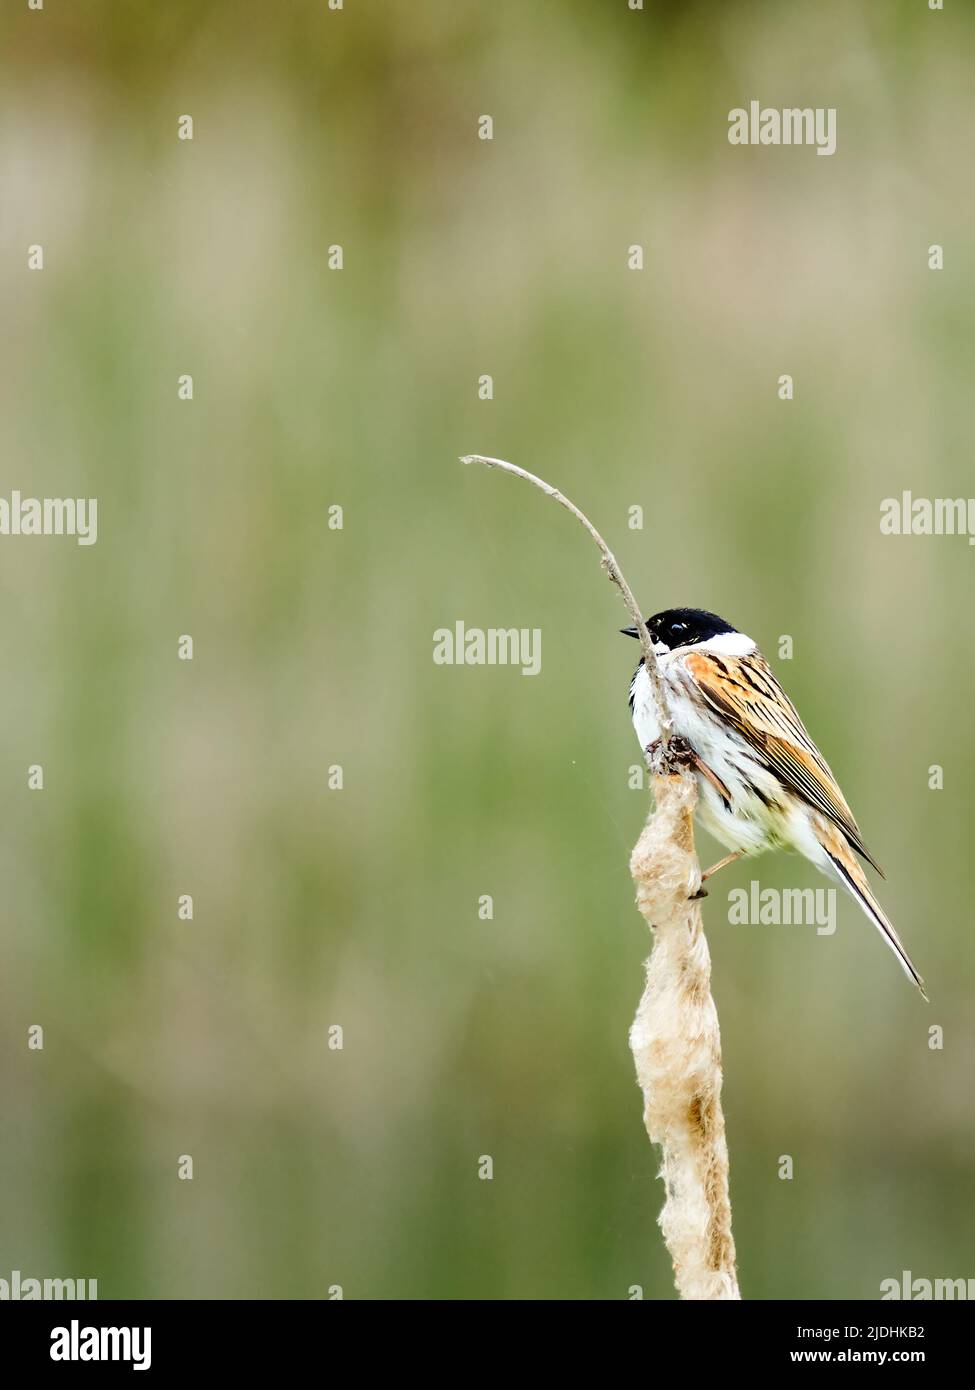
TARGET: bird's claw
(674,756)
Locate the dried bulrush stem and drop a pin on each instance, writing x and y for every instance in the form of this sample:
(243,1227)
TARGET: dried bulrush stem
(676,1045)
(675,1039)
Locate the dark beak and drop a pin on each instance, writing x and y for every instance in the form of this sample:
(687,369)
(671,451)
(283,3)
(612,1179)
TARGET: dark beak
(629,632)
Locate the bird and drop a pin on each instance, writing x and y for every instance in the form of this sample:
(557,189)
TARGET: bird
(762,782)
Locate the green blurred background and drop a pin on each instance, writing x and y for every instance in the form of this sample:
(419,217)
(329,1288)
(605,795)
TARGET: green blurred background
(313,647)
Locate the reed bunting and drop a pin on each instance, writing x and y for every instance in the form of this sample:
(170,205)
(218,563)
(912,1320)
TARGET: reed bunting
(762,782)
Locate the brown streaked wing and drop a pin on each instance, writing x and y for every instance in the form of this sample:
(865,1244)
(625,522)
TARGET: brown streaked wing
(744,691)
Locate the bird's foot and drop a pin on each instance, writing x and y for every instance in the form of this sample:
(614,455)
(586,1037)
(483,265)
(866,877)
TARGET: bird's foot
(728,859)
(665,759)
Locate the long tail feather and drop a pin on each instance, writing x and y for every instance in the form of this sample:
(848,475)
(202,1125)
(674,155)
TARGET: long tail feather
(855,881)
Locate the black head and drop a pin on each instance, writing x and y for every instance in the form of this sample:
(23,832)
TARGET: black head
(680,627)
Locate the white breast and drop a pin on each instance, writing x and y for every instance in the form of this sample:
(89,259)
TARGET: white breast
(645,719)
(747,825)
